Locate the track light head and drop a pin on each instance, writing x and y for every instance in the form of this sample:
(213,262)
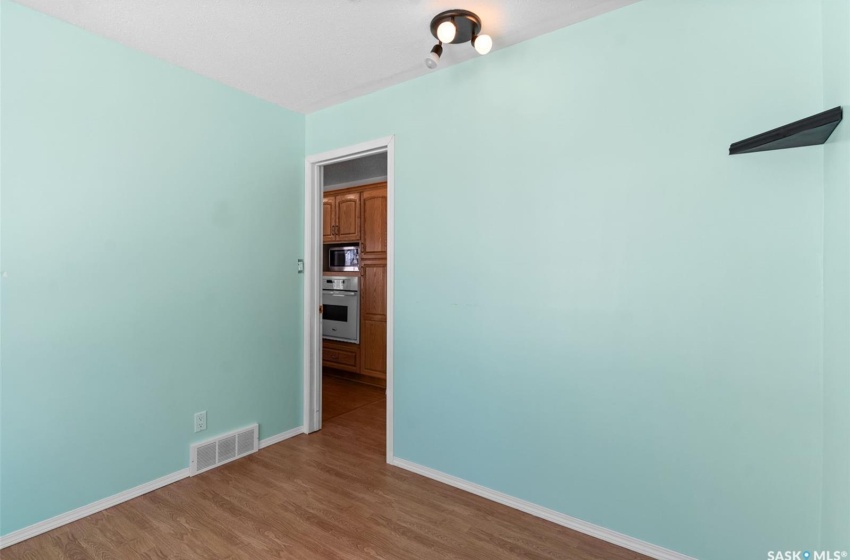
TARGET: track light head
(446,31)
(482,43)
(433,59)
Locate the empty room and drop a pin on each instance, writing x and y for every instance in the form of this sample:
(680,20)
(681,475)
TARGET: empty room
(496,279)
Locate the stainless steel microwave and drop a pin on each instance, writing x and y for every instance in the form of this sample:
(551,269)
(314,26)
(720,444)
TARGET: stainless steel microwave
(343,258)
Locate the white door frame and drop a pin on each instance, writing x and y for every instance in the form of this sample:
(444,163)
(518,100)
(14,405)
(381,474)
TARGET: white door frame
(313,273)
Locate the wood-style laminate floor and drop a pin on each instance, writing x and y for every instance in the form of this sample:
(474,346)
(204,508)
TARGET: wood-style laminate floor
(329,495)
(341,396)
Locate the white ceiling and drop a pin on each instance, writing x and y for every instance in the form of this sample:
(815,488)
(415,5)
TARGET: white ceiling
(308,54)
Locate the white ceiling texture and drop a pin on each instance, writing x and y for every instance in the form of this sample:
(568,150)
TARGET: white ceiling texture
(309,54)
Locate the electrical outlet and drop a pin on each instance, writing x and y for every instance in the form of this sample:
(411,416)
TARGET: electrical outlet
(201,421)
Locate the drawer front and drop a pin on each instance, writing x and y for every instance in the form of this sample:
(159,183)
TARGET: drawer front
(341,357)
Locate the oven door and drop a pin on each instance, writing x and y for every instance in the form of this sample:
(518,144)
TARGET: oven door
(341,315)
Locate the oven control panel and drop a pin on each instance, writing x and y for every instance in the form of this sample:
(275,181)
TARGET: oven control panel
(342,283)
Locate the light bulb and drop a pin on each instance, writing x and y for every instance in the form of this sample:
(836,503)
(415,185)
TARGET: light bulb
(434,57)
(446,31)
(482,43)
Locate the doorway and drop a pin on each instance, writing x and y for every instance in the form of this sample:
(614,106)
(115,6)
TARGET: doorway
(343,227)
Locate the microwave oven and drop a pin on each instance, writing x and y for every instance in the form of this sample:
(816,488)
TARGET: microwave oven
(343,258)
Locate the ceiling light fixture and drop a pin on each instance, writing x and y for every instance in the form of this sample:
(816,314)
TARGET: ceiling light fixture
(457,26)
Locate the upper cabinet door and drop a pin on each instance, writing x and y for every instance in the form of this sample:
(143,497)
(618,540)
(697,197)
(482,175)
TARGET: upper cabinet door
(348,217)
(374,244)
(328,218)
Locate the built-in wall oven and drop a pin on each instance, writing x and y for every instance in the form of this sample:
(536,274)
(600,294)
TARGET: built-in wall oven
(341,308)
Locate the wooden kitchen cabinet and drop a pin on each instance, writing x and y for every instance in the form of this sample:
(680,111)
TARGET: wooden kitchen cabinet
(341,355)
(348,217)
(373,348)
(373,283)
(328,218)
(373,318)
(374,210)
(341,217)
(373,291)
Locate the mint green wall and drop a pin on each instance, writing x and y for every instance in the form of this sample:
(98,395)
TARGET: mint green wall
(151,222)
(597,309)
(836,482)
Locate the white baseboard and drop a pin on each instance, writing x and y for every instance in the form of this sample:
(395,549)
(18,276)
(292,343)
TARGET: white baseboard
(63,519)
(637,545)
(281,436)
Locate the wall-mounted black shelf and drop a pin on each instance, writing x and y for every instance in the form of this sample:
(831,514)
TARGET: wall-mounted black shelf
(807,132)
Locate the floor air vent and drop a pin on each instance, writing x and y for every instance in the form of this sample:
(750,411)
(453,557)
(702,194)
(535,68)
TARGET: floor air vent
(225,448)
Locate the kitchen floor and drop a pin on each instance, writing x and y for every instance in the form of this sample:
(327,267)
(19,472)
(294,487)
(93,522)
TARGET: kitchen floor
(341,396)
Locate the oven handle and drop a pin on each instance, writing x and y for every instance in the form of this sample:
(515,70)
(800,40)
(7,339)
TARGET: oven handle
(340,294)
